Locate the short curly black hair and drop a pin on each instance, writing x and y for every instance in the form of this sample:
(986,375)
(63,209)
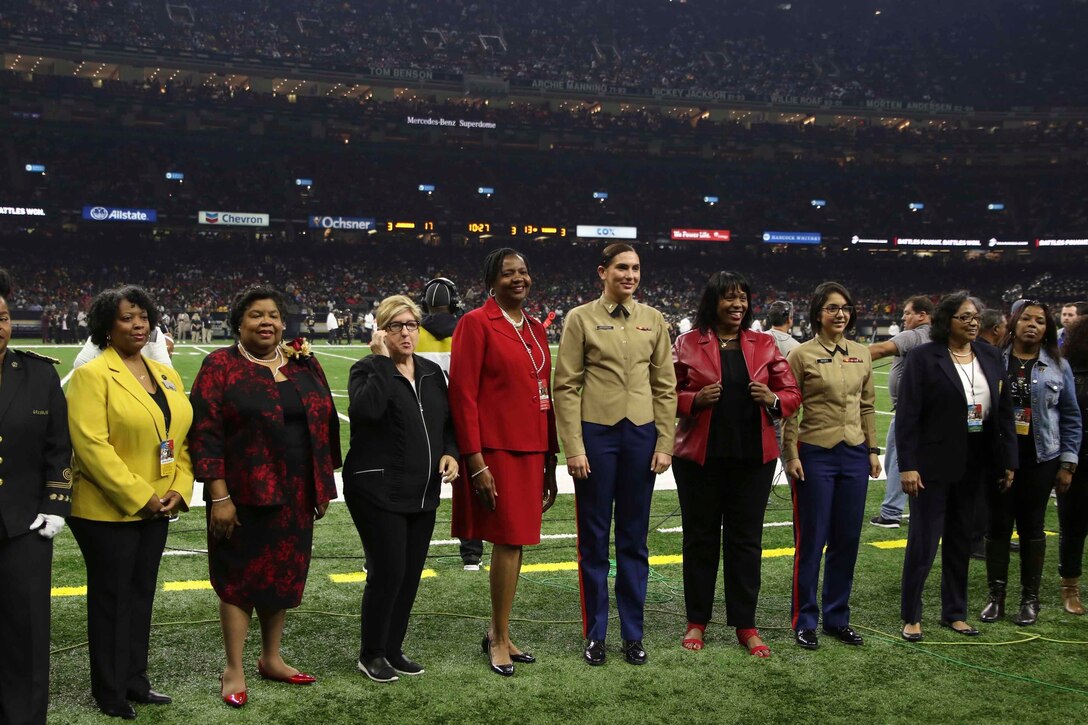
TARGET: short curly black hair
(104,306)
(247,297)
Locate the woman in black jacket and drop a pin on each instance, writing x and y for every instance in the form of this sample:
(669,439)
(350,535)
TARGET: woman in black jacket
(402,450)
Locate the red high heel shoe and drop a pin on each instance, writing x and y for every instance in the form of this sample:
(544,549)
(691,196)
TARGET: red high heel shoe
(694,643)
(234,699)
(299,678)
(746,635)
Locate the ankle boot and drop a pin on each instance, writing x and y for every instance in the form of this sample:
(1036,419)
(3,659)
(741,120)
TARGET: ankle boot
(1032,555)
(997,575)
(1071,595)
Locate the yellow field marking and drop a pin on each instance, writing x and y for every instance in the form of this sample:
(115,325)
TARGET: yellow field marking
(894,544)
(69,591)
(554,566)
(360,576)
(186,586)
(773,553)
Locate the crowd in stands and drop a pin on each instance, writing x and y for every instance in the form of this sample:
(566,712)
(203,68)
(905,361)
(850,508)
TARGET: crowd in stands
(985,53)
(191,272)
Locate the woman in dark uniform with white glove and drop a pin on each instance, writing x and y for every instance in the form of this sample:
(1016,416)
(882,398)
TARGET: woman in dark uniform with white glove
(35,496)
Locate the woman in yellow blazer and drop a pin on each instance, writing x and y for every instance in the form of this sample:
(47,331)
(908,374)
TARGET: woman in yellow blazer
(128,418)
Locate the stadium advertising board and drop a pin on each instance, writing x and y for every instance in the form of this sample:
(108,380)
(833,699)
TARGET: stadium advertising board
(995,243)
(233,218)
(1061,242)
(937,243)
(451,122)
(119,214)
(700,235)
(592,231)
(350,223)
(22,211)
(792,237)
(869,241)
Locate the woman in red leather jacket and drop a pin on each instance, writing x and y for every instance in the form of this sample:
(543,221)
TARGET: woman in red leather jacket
(732,384)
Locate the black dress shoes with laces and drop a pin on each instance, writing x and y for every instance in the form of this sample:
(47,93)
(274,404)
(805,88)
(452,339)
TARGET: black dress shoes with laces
(806,638)
(594,652)
(845,634)
(634,652)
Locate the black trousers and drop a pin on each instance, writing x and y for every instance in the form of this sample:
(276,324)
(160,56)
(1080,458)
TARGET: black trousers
(942,513)
(122,569)
(1024,503)
(25,572)
(395,545)
(472,549)
(1073,519)
(722,504)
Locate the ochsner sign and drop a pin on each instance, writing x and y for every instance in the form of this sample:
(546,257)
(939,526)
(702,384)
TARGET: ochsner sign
(233,218)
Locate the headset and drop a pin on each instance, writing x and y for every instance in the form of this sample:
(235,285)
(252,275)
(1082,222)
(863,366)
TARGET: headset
(455,299)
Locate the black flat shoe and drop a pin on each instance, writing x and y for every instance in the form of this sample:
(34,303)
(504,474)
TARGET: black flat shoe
(968,632)
(910,637)
(845,634)
(594,652)
(806,638)
(504,670)
(634,652)
(405,666)
(378,669)
(123,711)
(151,698)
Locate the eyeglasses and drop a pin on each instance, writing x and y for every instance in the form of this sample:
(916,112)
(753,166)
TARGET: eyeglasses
(396,327)
(834,310)
(967,318)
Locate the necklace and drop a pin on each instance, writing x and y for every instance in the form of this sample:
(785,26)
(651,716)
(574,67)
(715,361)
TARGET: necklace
(724,341)
(277,357)
(517,325)
(969,352)
(532,359)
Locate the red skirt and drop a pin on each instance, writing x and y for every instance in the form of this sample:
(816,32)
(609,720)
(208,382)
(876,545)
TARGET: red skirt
(519,480)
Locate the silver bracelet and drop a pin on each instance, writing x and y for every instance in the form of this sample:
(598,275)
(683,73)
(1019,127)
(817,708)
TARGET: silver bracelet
(479,472)
(217,500)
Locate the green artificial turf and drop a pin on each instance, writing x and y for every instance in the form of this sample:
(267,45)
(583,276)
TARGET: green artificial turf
(1009,674)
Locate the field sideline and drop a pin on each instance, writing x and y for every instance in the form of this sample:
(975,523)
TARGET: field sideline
(1008,674)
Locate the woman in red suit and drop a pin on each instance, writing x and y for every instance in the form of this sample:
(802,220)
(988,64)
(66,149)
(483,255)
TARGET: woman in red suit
(500,370)
(265,440)
(732,384)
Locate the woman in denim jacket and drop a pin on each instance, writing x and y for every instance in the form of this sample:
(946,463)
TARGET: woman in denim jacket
(1048,428)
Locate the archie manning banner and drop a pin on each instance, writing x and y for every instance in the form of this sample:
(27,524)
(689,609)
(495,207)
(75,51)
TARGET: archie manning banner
(233,218)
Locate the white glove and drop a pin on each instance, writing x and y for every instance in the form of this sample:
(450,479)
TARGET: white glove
(48,525)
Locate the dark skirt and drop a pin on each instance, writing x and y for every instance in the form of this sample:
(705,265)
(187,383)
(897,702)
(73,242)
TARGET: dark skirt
(266,560)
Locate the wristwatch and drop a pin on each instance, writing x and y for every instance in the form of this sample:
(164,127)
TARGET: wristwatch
(1068,466)
(875,451)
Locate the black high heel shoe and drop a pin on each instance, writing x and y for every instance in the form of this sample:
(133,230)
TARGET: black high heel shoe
(504,670)
(523,658)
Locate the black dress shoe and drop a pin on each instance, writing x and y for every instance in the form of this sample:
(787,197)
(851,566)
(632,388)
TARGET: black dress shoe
(594,652)
(968,632)
(806,638)
(634,652)
(504,670)
(523,658)
(845,634)
(151,698)
(123,711)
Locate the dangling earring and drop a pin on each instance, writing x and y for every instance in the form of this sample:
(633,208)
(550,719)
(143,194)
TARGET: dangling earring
(491,292)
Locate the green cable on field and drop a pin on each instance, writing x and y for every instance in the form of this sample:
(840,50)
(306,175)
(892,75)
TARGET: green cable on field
(981,668)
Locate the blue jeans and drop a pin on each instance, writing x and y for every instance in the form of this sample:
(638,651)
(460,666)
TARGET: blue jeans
(894,499)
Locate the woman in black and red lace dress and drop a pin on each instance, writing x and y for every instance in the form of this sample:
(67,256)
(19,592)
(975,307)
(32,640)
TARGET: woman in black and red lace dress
(265,440)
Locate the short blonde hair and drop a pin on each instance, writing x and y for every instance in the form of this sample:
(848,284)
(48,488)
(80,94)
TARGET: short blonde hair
(392,306)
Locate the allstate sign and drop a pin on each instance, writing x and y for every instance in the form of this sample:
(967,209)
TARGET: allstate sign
(361,224)
(233,218)
(118,214)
